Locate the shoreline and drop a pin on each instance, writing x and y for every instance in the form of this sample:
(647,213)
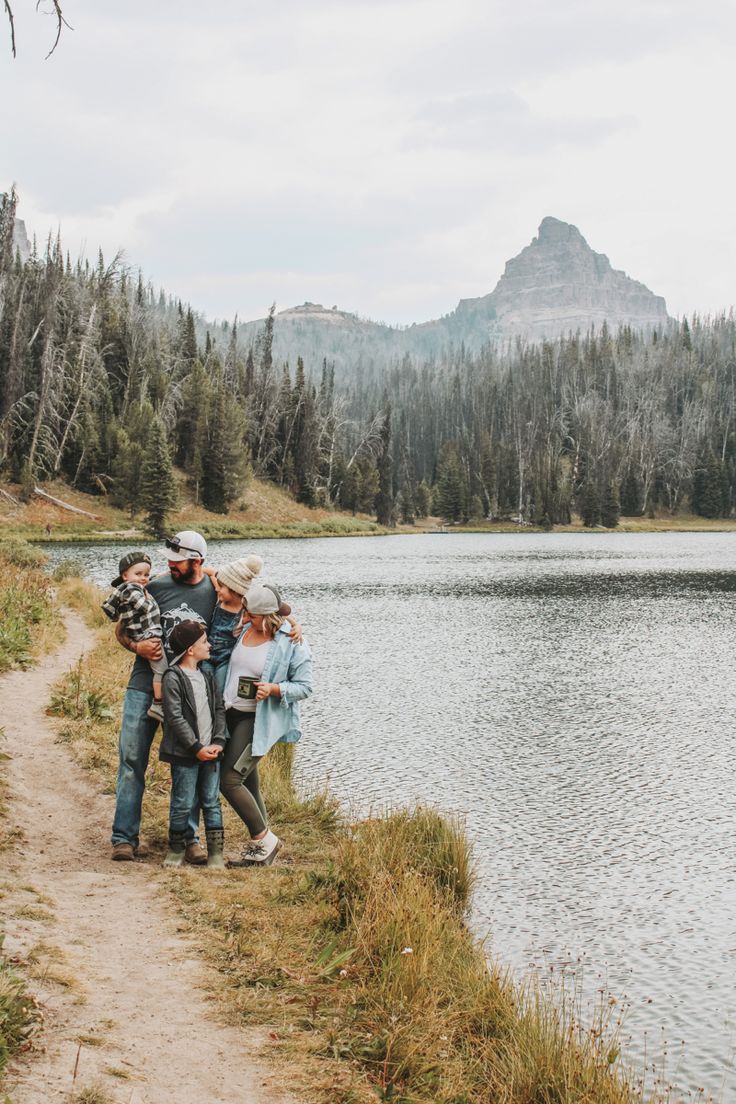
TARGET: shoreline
(36,535)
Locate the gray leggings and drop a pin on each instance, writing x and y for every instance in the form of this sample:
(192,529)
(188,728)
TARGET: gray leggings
(239,772)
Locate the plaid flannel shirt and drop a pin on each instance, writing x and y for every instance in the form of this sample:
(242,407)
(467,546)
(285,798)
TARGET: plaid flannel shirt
(137,611)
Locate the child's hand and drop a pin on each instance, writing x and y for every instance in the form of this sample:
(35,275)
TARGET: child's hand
(296,635)
(209,752)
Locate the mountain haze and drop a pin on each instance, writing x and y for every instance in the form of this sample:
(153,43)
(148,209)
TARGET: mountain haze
(555,285)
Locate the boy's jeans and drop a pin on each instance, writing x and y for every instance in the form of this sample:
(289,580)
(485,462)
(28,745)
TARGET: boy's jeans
(136,736)
(200,780)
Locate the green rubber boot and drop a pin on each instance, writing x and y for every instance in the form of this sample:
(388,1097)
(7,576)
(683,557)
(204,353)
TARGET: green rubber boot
(177,844)
(215,844)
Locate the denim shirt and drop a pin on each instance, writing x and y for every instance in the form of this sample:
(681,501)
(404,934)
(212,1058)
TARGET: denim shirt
(289,665)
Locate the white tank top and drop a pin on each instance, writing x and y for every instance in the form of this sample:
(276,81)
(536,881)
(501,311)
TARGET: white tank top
(244,663)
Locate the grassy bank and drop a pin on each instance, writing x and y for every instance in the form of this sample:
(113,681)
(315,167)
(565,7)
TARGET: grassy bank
(669,523)
(353,949)
(262,511)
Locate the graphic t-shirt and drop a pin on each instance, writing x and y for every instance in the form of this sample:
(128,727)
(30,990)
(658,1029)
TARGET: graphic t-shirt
(178,602)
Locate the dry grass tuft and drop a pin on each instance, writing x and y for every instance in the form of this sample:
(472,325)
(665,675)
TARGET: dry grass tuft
(29,624)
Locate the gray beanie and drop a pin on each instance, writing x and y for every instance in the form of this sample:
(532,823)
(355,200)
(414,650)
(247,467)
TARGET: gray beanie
(239,574)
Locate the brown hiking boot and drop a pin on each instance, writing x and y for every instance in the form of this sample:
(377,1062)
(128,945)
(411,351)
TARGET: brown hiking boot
(122,852)
(195,854)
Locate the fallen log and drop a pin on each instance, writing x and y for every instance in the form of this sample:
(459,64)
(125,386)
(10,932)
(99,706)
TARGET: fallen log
(9,497)
(64,505)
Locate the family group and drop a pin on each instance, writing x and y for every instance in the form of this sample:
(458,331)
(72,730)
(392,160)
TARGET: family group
(222,665)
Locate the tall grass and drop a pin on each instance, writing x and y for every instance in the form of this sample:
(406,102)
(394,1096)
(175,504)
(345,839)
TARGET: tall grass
(26,606)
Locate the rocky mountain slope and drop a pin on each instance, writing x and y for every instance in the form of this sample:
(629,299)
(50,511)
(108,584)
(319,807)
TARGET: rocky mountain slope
(556,285)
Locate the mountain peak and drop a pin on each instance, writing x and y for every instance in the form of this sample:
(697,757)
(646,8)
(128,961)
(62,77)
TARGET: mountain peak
(557,284)
(553,231)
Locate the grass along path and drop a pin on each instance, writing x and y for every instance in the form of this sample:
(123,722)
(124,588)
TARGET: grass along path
(122,990)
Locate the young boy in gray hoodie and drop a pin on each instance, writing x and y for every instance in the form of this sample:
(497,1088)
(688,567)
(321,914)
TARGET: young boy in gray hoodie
(194,736)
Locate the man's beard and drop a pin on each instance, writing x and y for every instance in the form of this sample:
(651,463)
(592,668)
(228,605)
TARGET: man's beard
(184,570)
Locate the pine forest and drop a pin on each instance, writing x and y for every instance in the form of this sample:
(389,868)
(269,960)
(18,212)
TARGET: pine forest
(108,385)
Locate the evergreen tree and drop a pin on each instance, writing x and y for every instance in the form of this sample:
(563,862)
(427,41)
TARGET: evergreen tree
(450,500)
(707,494)
(610,507)
(590,505)
(631,504)
(385,498)
(423,500)
(223,452)
(158,487)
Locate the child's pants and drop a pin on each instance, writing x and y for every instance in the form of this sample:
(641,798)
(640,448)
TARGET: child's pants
(189,784)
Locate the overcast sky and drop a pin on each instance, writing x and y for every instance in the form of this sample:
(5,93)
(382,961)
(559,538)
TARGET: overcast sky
(384,157)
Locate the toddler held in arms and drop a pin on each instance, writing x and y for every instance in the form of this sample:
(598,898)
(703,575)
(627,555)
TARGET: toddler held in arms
(132,605)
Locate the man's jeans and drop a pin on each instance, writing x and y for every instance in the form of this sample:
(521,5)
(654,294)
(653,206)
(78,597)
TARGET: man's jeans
(136,736)
(200,780)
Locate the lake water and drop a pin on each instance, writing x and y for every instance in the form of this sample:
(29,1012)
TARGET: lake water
(573,697)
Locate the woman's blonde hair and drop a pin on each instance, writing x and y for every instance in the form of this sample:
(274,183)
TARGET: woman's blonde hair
(272,622)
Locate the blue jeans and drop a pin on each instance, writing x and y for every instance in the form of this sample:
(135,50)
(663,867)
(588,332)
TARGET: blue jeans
(189,783)
(136,736)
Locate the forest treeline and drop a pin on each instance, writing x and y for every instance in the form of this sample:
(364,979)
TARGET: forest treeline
(107,384)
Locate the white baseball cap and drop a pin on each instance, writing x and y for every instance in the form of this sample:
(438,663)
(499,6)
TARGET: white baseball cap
(186,545)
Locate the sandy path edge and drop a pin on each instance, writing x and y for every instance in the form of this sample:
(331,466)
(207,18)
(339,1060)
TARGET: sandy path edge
(139,982)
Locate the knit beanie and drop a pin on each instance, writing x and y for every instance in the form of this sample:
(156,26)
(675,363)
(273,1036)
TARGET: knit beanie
(239,574)
(182,636)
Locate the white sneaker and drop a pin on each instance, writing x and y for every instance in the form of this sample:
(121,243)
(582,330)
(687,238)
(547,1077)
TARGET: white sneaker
(260,852)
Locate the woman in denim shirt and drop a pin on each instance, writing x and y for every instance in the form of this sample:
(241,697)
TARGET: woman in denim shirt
(268,675)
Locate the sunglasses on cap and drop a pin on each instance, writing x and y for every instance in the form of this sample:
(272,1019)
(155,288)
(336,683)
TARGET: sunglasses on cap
(174,545)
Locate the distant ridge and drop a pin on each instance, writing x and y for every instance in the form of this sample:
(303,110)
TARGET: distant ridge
(556,285)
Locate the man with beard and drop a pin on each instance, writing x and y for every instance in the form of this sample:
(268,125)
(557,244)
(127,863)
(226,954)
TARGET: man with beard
(184,593)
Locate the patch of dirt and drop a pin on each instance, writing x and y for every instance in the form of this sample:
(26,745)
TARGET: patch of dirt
(122,991)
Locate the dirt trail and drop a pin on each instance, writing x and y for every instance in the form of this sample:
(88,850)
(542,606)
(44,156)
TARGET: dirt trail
(138,983)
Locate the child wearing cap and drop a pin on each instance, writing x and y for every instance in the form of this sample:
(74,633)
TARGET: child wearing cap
(132,605)
(193,738)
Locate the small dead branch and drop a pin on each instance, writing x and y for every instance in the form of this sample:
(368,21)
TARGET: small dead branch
(9,11)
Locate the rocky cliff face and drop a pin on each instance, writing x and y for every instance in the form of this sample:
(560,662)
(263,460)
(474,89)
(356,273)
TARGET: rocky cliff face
(558,284)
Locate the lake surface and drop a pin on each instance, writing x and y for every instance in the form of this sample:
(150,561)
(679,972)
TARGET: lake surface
(573,697)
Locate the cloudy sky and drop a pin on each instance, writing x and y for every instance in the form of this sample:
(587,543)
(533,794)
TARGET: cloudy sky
(387,157)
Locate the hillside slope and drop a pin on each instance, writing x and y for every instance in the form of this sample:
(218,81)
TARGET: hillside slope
(263,510)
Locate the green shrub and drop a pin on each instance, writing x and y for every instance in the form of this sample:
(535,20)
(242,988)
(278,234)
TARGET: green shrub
(68,569)
(21,553)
